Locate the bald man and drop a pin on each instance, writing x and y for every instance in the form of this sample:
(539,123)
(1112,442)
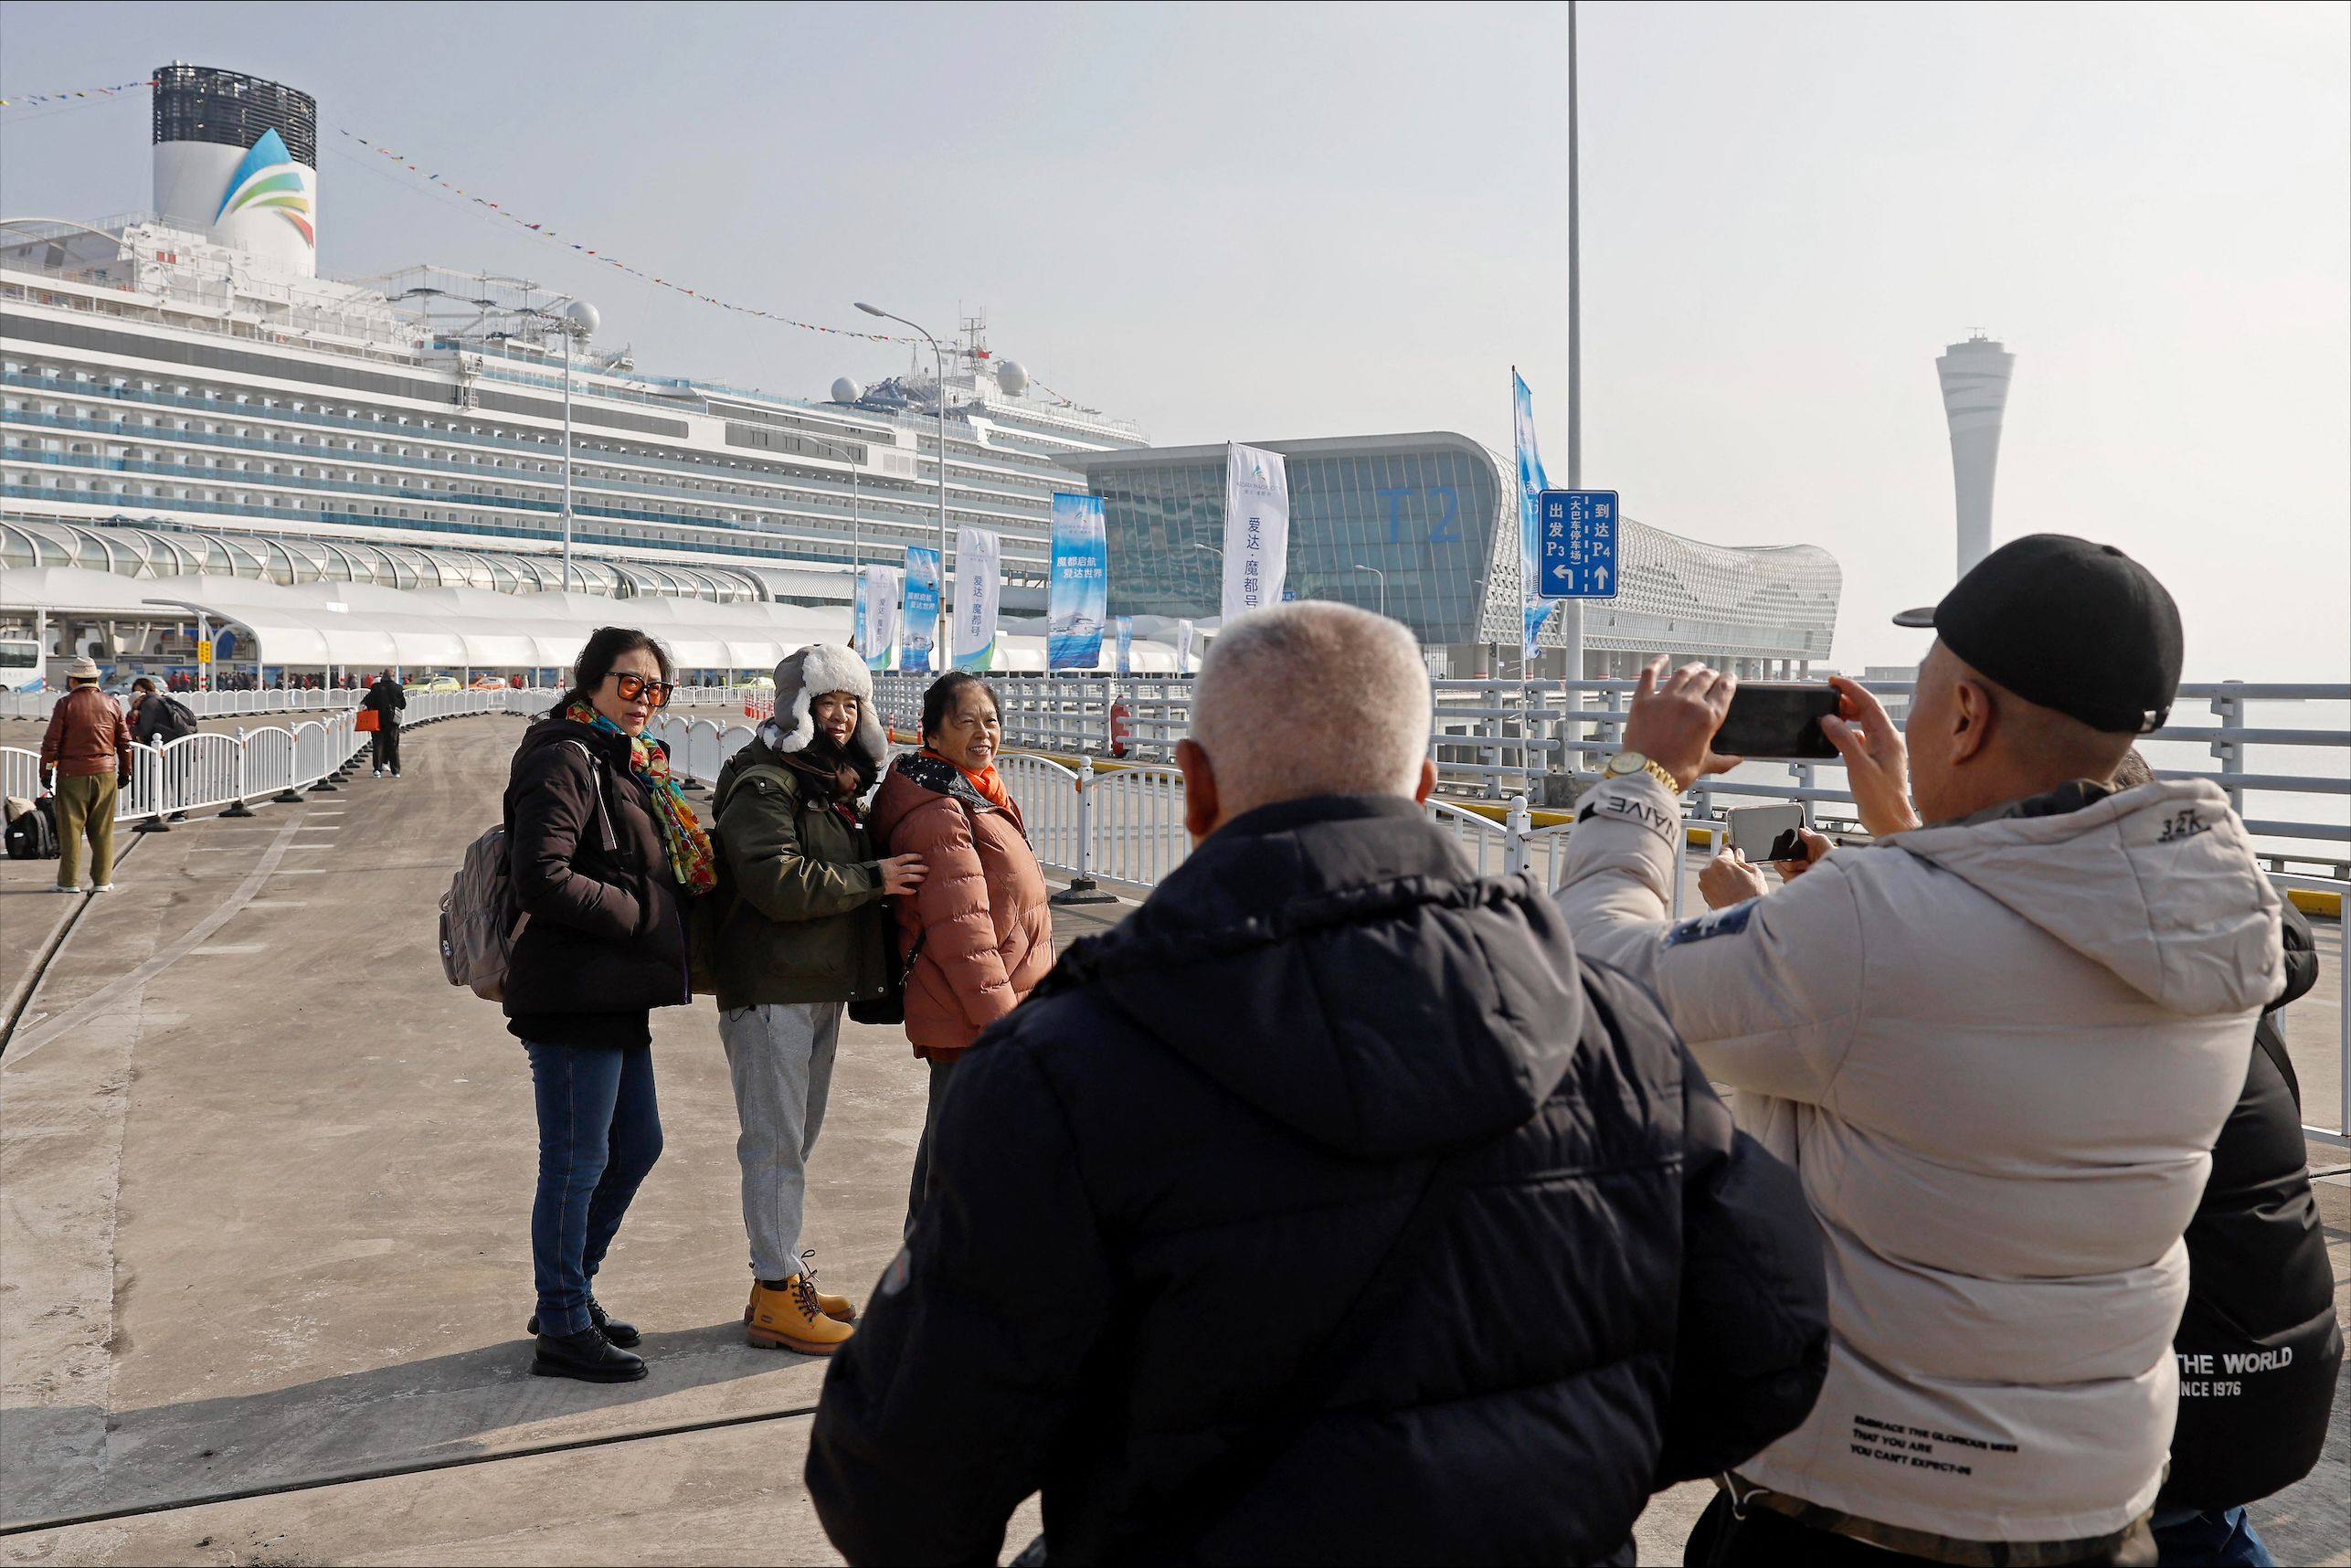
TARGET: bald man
(1328,1209)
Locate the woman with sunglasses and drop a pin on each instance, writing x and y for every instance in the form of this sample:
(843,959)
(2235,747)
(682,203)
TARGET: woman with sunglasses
(603,851)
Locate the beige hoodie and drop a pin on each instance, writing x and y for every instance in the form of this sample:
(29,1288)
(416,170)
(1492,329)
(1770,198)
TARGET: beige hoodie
(1999,1054)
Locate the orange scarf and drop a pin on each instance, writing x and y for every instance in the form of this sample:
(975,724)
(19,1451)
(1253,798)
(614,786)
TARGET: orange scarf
(990,786)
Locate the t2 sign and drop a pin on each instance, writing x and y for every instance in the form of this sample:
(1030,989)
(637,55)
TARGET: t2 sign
(1578,555)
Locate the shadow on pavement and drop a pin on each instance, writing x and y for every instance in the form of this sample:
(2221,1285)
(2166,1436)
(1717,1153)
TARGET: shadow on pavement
(476,1401)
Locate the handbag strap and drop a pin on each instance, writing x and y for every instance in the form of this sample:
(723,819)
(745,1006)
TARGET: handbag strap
(1213,1489)
(603,818)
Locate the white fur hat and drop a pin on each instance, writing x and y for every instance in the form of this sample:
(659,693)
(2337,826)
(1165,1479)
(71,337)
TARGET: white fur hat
(808,674)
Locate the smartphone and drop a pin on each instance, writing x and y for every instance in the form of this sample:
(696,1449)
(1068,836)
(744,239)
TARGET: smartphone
(1779,720)
(1766,832)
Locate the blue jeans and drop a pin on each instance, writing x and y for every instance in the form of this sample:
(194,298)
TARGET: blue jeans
(599,1134)
(2223,1537)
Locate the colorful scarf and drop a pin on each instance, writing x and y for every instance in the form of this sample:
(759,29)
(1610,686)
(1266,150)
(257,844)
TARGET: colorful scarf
(689,846)
(990,786)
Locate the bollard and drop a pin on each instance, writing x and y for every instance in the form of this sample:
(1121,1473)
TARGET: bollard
(1515,828)
(238,808)
(1082,888)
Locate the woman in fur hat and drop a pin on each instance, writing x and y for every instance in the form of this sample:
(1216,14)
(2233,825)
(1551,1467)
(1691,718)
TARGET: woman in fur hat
(800,936)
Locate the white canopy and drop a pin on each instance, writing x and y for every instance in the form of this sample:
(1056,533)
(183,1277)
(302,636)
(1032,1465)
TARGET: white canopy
(357,625)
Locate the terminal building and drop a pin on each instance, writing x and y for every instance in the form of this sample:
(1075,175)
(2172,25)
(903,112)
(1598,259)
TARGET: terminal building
(1425,527)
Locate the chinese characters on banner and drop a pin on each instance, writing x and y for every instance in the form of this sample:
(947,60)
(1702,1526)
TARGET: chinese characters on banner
(1256,528)
(979,586)
(920,634)
(877,614)
(1184,647)
(1532,483)
(1126,644)
(1078,592)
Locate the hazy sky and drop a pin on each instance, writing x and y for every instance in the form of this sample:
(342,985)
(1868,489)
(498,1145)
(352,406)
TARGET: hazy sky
(1269,222)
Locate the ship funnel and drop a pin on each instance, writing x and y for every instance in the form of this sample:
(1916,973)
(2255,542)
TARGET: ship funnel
(237,161)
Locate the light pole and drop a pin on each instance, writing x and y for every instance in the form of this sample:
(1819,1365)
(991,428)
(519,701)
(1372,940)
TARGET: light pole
(1383,586)
(578,317)
(849,455)
(1572,610)
(938,356)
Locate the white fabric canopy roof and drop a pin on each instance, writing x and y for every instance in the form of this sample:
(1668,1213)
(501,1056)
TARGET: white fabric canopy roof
(354,624)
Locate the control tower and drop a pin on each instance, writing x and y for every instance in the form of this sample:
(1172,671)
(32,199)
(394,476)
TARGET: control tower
(1975,392)
(237,161)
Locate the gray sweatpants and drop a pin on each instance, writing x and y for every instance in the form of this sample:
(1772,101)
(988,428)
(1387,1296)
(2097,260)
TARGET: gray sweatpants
(780,1057)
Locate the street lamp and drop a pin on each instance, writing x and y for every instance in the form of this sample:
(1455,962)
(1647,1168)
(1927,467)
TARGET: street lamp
(938,356)
(1383,586)
(579,318)
(847,454)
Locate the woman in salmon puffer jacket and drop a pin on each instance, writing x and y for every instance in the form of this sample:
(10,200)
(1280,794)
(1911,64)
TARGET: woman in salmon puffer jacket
(977,934)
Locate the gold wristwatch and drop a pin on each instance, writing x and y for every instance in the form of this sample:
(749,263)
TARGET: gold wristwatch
(1627,763)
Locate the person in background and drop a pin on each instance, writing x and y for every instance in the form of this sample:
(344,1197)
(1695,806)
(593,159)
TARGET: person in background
(977,936)
(1996,1048)
(2259,1346)
(603,851)
(385,699)
(1327,1210)
(801,935)
(155,719)
(85,761)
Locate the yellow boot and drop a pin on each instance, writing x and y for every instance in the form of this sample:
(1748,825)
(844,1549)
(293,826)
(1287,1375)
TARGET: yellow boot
(791,1319)
(839,1309)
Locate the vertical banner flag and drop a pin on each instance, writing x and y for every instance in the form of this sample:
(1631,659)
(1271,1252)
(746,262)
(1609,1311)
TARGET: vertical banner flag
(877,608)
(921,629)
(1126,644)
(1078,595)
(1256,528)
(857,638)
(1184,647)
(979,587)
(1532,483)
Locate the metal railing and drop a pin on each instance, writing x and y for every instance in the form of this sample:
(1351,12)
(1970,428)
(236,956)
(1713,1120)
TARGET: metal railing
(1546,739)
(211,768)
(203,705)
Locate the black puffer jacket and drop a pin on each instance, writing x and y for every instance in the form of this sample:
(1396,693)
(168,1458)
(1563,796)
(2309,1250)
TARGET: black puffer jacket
(1169,1171)
(2260,1345)
(389,698)
(605,939)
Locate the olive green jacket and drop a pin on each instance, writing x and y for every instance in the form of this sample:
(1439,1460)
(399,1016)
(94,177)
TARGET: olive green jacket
(804,919)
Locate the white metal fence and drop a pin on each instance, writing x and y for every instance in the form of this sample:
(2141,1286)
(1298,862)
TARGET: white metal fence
(1546,739)
(203,705)
(219,769)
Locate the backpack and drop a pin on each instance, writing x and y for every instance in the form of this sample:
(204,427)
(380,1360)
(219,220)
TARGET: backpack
(478,921)
(177,720)
(33,832)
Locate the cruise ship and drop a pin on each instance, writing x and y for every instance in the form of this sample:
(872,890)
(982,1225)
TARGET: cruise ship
(181,392)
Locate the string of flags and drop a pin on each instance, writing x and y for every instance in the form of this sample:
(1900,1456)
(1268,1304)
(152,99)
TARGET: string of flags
(600,256)
(30,99)
(594,253)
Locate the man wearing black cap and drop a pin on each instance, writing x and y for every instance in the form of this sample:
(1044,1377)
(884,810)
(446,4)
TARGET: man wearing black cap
(1996,1047)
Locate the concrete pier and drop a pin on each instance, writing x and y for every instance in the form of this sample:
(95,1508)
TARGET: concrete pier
(264,1252)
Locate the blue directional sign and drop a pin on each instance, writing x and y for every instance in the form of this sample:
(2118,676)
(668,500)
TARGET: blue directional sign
(1578,539)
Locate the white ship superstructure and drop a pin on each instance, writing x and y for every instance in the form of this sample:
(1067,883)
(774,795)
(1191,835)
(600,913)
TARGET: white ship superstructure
(155,379)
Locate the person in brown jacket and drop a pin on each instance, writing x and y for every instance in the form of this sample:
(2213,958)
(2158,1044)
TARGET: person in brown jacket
(977,934)
(86,757)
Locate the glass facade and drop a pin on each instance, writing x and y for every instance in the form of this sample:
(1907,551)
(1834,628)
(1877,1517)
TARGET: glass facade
(1422,510)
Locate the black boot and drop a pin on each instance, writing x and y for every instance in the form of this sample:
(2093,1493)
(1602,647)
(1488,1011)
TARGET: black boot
(624,1335)
(588,1356)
